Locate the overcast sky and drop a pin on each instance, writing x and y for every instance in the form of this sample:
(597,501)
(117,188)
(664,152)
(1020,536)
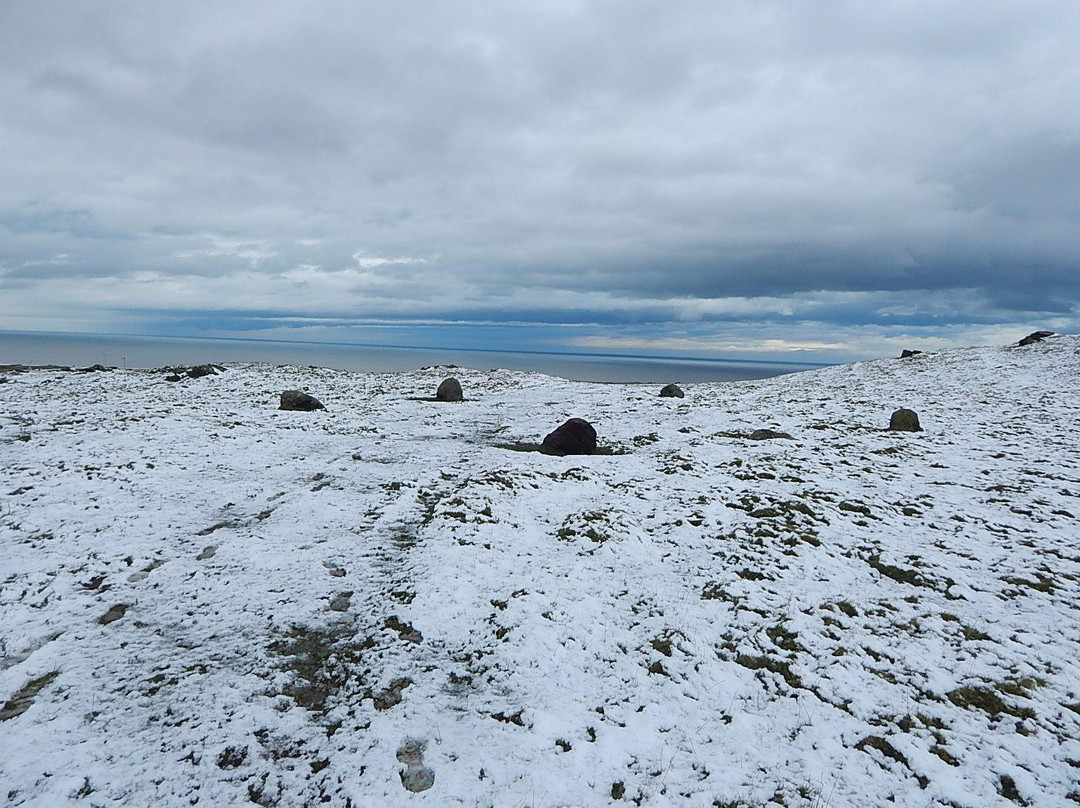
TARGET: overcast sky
(840,179)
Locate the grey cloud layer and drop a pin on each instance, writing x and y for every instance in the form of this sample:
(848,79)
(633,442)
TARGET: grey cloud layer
(681,150)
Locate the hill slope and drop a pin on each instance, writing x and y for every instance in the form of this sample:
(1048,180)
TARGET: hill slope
(206,600)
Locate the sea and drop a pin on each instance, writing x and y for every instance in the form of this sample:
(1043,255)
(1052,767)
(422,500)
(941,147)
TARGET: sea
(123,351)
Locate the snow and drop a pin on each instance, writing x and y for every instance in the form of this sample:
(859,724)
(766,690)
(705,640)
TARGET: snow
(323,606)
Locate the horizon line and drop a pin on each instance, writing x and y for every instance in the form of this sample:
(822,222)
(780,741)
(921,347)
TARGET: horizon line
(430,348)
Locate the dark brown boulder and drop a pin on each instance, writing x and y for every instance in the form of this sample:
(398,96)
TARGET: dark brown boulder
(904,421)
(1036,336)
(299,400)
(575,437)
(671,391)
(449,390)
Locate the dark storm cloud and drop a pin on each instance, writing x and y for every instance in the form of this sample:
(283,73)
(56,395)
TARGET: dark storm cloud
(420,158)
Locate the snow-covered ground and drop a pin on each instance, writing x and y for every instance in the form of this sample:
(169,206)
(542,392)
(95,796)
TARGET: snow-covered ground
(205,600)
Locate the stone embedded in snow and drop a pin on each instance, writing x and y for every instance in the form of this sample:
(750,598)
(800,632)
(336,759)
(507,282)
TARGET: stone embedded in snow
(180,372)
(450,390)
(299,400)
(115,613)
(904,420)
(1035,336)
(575,437)
(671,391)
(391,697)
(904,354)
(416,777)
(767,434)
(341,602)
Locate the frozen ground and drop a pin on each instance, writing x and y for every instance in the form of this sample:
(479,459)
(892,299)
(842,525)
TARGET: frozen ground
(204,600)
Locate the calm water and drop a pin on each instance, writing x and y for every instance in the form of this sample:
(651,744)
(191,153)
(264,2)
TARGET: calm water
(46,348)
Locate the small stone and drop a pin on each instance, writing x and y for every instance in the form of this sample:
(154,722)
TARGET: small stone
(904,420)
(300,401)
(575,437)
(450,390)
(114,613)
(671,391)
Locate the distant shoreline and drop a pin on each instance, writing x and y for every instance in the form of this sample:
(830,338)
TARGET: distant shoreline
(389,346)
(81,349)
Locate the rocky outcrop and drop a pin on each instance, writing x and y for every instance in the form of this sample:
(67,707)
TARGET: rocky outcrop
(299,400)
(1035,336)
(194,372)
(575,437)
(904,354)
(198,371)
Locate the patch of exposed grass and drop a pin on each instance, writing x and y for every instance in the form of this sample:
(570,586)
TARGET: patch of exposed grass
(1007,789)
(1042,583)
(987,700)
(782,638)
(322,661)
(780,667)
(899,574)
(891,752)
(24,698)
(855,507)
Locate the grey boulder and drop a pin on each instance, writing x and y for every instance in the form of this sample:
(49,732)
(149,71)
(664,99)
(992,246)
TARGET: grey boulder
(299,400)
(450,390)
(904,420)
(767,434)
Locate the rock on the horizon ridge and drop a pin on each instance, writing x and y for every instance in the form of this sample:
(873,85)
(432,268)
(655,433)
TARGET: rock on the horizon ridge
(1035,336)
(198,371)
(450,390)
(575,437)
(177,373)
(904,354)
(299,400)
(904,420)
(671,391)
